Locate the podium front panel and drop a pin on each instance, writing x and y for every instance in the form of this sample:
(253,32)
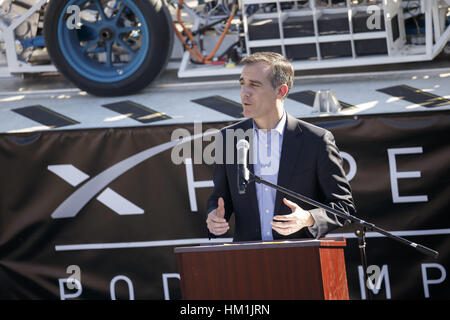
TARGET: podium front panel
(309,269)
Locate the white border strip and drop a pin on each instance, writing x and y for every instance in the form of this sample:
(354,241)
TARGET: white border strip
(369,75)
(405,233)
(164,243)
(139,244)
(189,84)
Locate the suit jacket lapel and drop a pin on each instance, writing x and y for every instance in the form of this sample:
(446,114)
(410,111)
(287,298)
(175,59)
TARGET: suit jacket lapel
(292,144)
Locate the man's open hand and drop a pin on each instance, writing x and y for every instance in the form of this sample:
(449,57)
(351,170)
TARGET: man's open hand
(291,223)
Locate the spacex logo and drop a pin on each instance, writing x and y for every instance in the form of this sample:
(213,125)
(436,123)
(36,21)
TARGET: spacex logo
(108,197)
(71,206)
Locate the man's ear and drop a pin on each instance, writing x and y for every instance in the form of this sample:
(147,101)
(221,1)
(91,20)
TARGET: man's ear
(283,91)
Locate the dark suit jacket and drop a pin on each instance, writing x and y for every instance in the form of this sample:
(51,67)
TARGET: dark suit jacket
(310,165)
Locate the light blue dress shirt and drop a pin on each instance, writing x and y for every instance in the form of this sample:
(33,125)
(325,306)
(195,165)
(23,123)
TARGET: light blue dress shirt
(267,146)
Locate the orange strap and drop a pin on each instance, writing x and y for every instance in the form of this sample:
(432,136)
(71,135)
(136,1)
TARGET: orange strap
(194,51)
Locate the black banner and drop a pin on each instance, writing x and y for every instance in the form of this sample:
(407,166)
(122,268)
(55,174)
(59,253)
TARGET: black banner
(96,214)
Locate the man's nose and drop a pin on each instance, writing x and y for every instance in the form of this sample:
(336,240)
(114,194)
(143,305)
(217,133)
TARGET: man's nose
(245,91)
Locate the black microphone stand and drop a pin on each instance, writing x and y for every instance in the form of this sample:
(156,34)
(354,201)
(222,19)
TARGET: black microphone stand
(360,233)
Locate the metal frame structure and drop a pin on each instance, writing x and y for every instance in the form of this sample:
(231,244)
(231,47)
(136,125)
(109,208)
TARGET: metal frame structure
(9,62)
(436,37)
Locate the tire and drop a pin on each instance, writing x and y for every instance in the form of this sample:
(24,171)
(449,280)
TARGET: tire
(137,37)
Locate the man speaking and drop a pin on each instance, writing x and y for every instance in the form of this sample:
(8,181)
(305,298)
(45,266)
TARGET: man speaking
(285,151)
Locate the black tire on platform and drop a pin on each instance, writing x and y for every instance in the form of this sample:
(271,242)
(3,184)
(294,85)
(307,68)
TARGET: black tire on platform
(75,52)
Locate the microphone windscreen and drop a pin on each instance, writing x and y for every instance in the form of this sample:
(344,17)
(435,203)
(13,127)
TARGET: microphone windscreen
(242,144)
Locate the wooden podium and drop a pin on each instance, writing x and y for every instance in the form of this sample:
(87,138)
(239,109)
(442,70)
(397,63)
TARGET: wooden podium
(299,269)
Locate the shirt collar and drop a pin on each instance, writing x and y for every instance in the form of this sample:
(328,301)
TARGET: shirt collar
(279,127)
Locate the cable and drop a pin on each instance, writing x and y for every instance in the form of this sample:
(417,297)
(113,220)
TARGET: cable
(190,44)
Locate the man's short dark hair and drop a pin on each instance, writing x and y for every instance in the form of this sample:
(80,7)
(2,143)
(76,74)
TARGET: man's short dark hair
(282,70)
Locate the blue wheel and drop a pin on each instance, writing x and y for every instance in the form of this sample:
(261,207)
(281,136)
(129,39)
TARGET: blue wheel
(108,47)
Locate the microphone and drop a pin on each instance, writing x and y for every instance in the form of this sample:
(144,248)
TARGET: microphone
(243,174)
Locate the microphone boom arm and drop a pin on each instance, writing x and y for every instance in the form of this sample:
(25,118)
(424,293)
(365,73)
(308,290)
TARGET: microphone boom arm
(343,215)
